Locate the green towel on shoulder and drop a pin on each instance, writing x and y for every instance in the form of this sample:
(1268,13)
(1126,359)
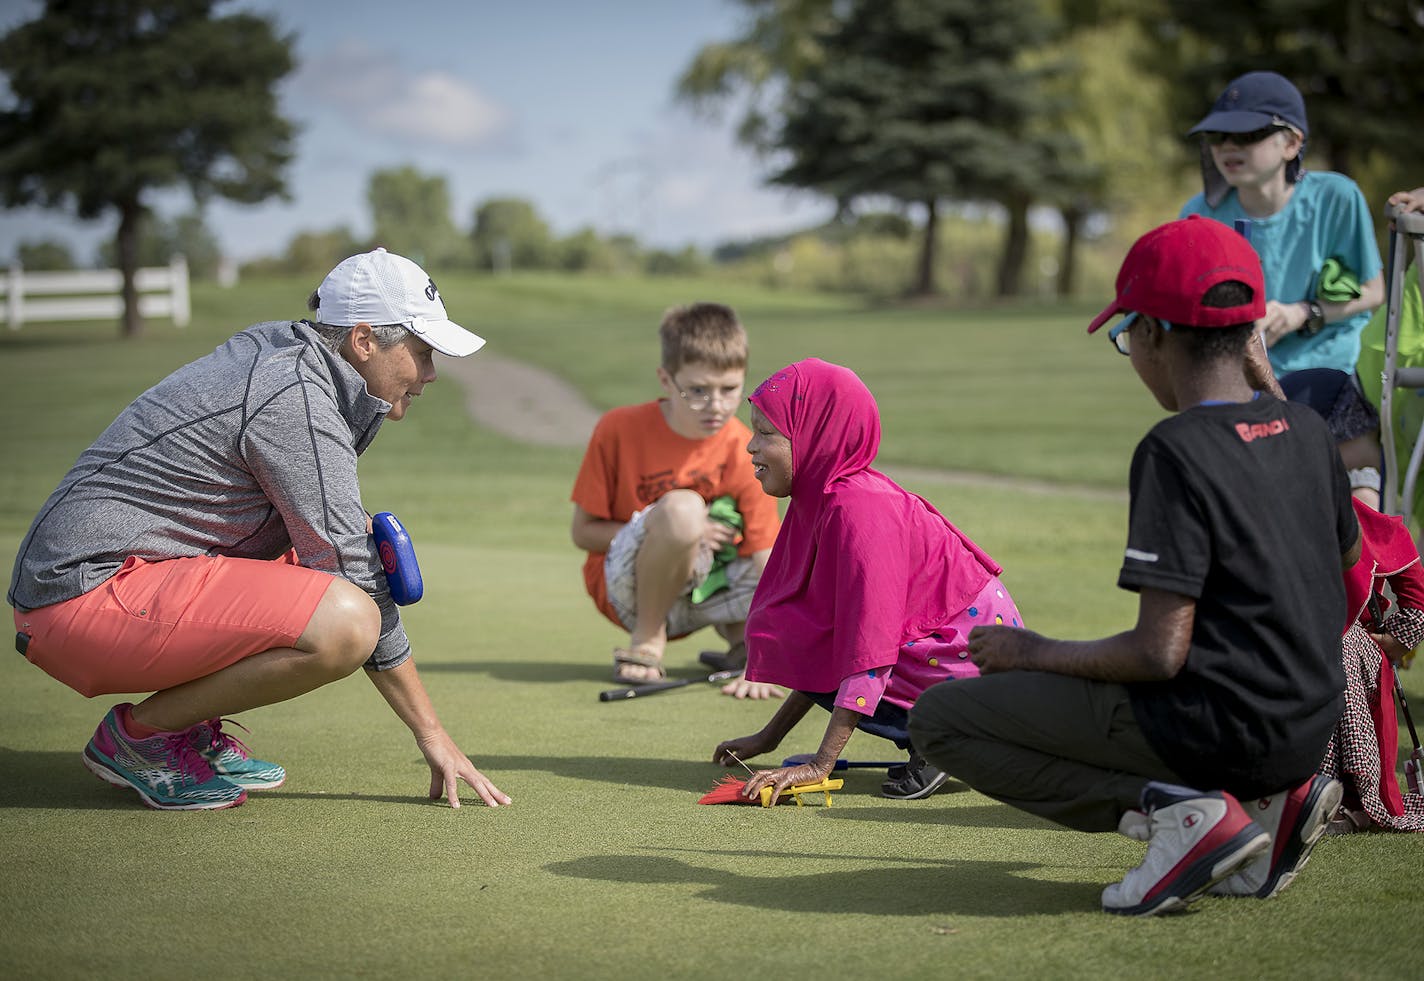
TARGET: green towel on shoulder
(723,509)
(1336,284)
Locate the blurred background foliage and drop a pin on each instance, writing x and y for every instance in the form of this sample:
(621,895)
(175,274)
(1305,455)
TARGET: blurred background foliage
(974,149)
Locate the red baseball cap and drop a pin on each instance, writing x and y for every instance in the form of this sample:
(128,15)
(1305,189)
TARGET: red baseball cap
(1169,270)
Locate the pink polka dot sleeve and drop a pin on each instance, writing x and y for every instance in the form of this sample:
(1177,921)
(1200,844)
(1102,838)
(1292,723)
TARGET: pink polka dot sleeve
(862,692)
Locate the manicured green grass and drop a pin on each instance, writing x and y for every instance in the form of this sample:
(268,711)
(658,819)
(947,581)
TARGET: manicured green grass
(605,867)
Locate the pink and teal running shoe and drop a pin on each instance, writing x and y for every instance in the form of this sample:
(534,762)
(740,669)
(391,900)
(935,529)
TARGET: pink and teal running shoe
(165,770)
(231,759)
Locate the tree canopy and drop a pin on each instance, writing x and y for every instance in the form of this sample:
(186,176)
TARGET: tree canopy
(112,101)
(509,234)
(920,100)
(411,215)
(1357,64)
(778,46)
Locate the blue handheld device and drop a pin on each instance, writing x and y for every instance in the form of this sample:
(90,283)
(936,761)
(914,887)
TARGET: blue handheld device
(397,558)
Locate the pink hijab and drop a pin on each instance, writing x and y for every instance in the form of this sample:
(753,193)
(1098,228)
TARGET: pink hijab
(861,565)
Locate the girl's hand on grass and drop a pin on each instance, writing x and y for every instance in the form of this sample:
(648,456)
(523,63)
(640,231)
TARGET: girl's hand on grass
(787,776)
(448,766)
(756,690)
(731,751)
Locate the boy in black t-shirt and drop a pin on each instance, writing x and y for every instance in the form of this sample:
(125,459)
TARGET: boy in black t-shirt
(1229,685)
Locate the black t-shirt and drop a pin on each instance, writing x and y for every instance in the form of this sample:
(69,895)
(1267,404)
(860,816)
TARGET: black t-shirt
(1246,509)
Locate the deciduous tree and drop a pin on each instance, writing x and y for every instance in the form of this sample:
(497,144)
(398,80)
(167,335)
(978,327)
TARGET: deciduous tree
(160,239)
(111,101)
(1357,63)
(410,212)
(920,100)
(777,47)
(509,234)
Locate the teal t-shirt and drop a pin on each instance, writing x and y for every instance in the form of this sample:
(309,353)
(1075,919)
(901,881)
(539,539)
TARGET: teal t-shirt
(1326,217)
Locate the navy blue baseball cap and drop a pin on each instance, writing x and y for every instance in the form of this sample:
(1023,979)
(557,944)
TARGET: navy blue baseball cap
(1254,101)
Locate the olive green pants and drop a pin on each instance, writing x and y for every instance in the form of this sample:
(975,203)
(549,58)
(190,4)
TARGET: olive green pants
(1063,748)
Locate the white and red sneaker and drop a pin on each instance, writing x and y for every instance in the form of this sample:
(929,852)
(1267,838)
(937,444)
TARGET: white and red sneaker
(1295,820)
(1195,839)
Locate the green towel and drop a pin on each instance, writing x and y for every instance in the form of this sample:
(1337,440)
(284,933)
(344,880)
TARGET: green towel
(723,509)
(1336,283)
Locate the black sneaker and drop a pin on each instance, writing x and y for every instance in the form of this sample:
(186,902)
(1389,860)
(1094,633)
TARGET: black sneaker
(920,779)
(734,659)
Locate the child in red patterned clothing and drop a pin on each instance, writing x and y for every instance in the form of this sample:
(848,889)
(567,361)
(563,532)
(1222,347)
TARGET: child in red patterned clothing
(1363,749)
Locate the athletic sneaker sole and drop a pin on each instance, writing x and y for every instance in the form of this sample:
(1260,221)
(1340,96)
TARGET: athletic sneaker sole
(1306,830)
(1225,860)
(98,766)
(251,784)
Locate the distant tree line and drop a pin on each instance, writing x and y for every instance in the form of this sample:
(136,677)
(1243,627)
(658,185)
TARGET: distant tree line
(911,116)
(1075,105)
(410,213)
(110,102)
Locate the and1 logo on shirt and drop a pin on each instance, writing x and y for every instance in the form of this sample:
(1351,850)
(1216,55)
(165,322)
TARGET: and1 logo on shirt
(1259,430)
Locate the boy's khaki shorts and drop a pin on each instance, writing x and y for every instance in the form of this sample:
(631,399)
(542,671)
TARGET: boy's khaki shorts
(729,605)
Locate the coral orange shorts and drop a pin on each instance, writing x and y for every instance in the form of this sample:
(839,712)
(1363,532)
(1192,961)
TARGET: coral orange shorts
(154,625)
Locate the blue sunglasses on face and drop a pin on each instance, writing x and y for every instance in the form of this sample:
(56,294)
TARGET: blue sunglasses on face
(1119,336)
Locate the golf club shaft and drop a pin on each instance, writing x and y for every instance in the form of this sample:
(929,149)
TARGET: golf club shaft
(619,694)
(1404,708)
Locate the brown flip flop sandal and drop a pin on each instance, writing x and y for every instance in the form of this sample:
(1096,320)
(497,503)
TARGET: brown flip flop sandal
(642,658)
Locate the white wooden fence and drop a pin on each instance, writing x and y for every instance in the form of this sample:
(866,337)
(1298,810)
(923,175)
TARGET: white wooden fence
(95,294)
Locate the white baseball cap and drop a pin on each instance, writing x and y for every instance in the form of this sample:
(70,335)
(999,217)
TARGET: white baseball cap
(379,288)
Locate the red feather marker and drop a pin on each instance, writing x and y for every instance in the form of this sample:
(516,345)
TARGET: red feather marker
(727,791)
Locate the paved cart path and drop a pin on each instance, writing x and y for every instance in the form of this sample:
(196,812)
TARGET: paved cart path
(532,405)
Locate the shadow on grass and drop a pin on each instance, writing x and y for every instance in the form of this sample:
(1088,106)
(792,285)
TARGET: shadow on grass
(925,812)
(538,672)
(693,776)
(535,672)
(970,888)
(46,778)
(684,775)
(37,779)
(37,339)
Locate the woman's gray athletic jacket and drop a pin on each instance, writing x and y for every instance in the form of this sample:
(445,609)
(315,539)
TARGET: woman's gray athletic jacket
(247,452)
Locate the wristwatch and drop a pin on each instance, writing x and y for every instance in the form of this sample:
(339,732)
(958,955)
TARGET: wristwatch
(1313,321)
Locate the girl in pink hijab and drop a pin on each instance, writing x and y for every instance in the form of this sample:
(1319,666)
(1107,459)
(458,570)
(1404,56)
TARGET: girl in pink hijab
(869,594)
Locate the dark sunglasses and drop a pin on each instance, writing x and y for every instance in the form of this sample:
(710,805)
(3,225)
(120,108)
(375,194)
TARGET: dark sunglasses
(1242,139)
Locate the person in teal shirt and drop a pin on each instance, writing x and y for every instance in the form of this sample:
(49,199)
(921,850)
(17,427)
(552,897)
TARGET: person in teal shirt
(1298,221)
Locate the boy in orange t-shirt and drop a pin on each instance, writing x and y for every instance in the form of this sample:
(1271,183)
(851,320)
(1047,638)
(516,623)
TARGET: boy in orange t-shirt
(659,494)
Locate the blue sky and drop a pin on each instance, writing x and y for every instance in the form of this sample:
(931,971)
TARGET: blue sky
(568,104)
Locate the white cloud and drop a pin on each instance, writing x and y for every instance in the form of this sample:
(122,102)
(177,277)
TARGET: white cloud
(378,96)
(694,183)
